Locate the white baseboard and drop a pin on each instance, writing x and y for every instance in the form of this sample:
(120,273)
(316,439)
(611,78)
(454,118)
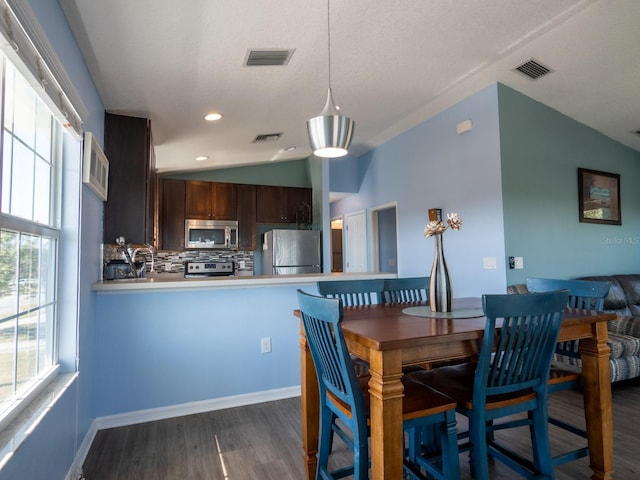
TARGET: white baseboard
(162,413)
(75,472)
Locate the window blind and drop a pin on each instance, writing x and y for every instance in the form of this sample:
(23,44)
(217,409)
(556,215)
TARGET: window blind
(24,43)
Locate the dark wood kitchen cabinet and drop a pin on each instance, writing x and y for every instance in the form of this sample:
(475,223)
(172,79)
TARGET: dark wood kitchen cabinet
(281,204)
(211,200)
(247,217)
(129,210)
(172,213)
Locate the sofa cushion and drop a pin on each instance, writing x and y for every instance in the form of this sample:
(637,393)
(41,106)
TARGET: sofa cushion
(625,325)
(623,345)
(631,286)
(616,300)
(517,288)
(624,368)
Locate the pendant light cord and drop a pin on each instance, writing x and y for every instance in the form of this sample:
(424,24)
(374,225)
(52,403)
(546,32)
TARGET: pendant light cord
(329,38)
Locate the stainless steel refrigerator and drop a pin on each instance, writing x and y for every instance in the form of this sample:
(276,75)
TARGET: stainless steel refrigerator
(286,252)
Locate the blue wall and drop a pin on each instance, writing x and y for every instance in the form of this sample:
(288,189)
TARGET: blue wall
(431,166)
(162,349)
(541,152)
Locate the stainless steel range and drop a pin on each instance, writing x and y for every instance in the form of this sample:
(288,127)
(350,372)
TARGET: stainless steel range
(208,269)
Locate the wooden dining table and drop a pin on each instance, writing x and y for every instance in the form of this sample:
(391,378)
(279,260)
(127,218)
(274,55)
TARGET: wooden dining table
(388,338)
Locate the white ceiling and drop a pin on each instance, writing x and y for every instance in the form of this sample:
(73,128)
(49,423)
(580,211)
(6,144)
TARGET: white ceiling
(394,64)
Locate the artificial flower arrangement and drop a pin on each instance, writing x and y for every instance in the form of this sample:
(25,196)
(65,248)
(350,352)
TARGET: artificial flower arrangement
(437,227)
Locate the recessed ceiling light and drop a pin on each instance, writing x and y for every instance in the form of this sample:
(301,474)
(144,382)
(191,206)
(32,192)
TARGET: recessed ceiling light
(202,158)
(213,116)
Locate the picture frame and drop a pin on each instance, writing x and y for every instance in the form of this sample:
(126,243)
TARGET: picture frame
(95,168)
(599,197)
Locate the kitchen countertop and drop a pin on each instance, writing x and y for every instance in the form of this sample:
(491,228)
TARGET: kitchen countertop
(177,282)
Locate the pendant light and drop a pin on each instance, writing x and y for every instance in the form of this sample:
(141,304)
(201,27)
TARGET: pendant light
(330,133)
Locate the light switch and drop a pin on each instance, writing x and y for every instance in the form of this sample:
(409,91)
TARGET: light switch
(518,263)
(489,263)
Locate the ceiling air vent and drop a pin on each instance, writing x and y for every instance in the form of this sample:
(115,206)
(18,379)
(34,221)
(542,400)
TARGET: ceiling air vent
(267,137)
(259,58)
(533,69)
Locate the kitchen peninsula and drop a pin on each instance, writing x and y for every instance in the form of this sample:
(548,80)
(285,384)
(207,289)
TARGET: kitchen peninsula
(176,281)
(168,346)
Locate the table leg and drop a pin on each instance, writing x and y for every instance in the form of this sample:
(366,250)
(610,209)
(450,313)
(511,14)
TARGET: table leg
(597,401)
(309,407)
(385,388)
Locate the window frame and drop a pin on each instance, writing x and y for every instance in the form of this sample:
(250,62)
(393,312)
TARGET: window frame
(13,405)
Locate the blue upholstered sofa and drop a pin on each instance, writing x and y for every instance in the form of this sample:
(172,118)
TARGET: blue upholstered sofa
(624,332)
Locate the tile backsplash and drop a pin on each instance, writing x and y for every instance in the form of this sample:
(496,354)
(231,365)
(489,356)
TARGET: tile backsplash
(167,261)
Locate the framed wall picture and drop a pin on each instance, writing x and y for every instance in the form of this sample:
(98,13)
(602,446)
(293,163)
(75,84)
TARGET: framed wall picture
(95,168)
(599,197)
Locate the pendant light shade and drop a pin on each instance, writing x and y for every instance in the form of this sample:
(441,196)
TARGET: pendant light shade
(330,133)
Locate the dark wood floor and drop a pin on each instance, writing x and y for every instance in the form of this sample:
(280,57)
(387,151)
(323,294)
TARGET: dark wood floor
(263,442)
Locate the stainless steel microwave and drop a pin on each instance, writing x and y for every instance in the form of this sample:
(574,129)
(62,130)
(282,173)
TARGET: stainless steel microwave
(209,234)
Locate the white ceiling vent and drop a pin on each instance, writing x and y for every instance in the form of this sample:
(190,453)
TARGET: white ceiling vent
(265,57)
(267,137)
(533,69)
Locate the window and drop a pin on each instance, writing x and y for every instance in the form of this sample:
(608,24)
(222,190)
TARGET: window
(29,238)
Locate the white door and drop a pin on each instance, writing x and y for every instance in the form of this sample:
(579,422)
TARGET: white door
(356,242)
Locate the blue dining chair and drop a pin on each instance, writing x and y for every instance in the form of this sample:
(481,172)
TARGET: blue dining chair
(583,294)
(345,396)
(353,292)
(402,290)
(510,377)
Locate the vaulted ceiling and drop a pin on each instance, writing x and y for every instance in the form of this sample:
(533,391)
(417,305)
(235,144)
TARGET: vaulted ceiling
(394,64)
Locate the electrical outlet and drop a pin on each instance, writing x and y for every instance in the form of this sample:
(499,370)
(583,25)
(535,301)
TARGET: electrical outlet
(265,345)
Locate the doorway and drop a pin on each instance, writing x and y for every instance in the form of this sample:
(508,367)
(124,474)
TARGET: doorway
(337,257)
(384,232)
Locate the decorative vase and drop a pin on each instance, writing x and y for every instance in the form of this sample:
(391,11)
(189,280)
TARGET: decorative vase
(440,289)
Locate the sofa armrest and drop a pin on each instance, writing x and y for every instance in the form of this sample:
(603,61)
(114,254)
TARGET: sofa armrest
(625,325)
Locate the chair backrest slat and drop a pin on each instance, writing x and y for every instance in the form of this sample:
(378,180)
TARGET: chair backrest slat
(353,292)
(583,294)
(402,290)
(518,354)
(322,322)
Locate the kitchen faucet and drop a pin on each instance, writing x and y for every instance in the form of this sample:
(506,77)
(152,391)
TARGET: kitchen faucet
(149,249)
(130,254)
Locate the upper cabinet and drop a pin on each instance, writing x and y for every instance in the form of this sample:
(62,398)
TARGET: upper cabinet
(172,214)
(247,217)
(129,210)
(248,204)
(211,200)
(283,204)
